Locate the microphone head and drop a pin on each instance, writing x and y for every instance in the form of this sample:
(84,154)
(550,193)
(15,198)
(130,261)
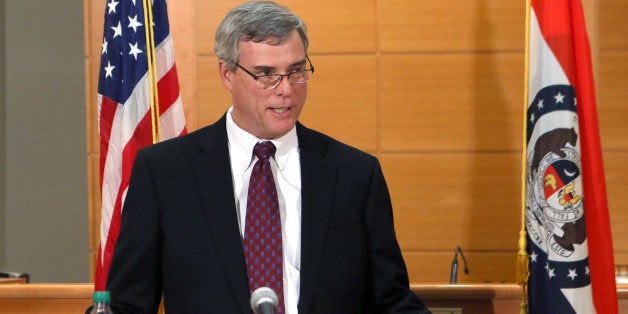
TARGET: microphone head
(263,295)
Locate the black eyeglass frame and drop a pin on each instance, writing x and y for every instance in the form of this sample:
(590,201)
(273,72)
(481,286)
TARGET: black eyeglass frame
(281,76)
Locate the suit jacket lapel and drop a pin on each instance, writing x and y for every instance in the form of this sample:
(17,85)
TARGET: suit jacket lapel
(216,188)
(317,181)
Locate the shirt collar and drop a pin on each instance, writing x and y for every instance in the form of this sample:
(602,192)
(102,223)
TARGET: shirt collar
(241,145)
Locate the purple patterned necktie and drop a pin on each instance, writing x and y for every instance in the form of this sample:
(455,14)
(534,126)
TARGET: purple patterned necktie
(262,234)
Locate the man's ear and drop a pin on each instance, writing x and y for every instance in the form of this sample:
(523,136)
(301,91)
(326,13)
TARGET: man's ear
(226,75)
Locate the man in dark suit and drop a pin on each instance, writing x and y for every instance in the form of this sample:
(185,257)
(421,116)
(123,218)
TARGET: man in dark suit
(184,219)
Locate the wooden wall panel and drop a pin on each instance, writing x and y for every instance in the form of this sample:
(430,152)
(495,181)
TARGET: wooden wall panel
(435,90)
(93,159)
(343,88)
(209,13)
(484,267)
(45,299)
(347,26)
(621,256)
(451,102)
(451,26)
(94,14)
(213,99)
(92,68)
(443,200)
(93,208)
(93,175)
(612,98)
(182,18)
(613,23)
(333,26)
(612,79)
(616,166)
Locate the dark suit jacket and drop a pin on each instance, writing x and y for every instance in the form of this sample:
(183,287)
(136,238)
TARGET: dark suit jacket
(179,232)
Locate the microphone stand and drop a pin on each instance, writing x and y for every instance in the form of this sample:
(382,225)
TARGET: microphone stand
(454,266)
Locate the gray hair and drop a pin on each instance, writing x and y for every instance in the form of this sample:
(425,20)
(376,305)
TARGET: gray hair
(255,21)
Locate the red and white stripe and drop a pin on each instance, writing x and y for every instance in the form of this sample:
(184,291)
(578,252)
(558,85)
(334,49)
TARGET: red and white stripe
(124,129)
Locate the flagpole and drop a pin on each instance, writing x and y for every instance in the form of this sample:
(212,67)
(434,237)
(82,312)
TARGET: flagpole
(152,72)
(522,271)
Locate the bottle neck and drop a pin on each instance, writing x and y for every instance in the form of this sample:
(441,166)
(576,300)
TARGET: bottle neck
(101,308)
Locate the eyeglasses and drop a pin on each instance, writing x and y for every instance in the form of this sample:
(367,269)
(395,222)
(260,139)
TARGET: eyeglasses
(270,81)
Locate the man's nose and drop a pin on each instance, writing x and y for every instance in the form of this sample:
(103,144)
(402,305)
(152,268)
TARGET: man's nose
(284,87)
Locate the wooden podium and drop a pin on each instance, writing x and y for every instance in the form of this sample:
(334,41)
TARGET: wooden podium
(485,298)
(12,280)
(441,298)
(470,298)
(45,298)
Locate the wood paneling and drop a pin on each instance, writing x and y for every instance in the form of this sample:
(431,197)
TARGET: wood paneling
(93,175)
(484,266)
(210,14)
(612,79)
(343,88)
(213,98)
(435,90)
(95,15)
(451,102)
(621,256)
(451,26)
(346,26)
(612,98)
(443,200)
(92,68)
(182,18)
(440,298)
(613,23)
(616,166)
(53,299)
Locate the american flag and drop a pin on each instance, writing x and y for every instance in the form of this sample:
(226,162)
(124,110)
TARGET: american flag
(124,105)
(569,240)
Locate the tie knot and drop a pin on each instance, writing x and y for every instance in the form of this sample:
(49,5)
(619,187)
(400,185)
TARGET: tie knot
(264,150)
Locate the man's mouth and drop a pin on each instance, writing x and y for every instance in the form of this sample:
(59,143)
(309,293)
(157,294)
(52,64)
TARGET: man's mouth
(280,110)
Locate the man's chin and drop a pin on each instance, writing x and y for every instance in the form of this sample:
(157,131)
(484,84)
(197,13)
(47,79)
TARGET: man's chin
(281,128)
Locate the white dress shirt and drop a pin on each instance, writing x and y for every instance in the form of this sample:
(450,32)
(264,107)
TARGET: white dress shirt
(287,173)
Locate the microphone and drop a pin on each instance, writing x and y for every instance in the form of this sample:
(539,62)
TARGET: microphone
(264,301)
(454,266)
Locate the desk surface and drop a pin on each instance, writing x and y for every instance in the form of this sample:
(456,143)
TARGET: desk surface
(472,298)
(484,291)
(468,291)
(12,280)
(427,291)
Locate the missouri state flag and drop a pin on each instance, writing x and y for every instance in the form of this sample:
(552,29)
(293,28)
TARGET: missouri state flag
(138,104)
(566,215)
